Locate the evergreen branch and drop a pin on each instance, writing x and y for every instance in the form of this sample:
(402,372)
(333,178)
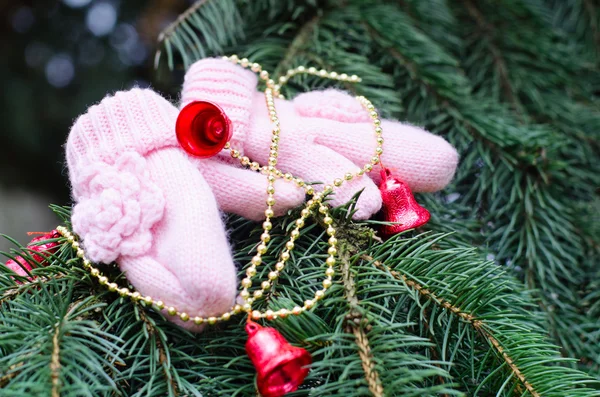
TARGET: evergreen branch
(361,339)
(49,345)
(55,357)
(163,360)
(487,30)
(203,29)
(549,261)
(455,97)
(14,291)
(55,362)
(182,18)
(364,351)
(300,40)
(469,318)
(455,285)
(591,9)
(5,379)
(478,324)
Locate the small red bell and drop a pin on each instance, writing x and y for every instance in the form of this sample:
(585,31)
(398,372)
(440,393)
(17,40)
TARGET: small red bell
(203,129)
(281,367)
(399,206)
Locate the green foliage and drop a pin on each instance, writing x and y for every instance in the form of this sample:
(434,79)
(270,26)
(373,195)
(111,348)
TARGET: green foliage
(435,317)
(500,298)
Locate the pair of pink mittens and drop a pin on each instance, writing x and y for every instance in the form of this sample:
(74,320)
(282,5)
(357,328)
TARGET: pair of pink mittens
(143,202)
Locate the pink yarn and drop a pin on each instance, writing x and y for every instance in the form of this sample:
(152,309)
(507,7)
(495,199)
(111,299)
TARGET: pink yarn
(140,201)
(137,120)
(117,206)
(143,202)
(325,134)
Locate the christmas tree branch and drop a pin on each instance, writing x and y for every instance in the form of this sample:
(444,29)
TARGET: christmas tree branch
(454,100)
(163,360)
(590,7)
(487,31)
(469,318)
(182,18)
(17,289)
(14,290)
(300,40)
(55,362)
(5,379)
(203,29)
(356,324)
(453,279)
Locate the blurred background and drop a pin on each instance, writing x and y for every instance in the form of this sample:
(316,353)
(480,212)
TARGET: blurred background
(58,58)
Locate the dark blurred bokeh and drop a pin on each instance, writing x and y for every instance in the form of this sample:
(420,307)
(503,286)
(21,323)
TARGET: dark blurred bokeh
(56,59)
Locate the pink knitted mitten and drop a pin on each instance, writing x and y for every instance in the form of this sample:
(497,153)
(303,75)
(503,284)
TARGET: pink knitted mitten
(140,201)
(324,135)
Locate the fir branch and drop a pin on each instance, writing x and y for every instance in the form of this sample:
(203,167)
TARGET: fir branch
(12,292)
(182,18)
(593,17)
(163,360)
(499,314)
(55,363)
(487,30)
(469,318)
(356,326)
(205,28)
(301,39)
(455,97)
(50,346)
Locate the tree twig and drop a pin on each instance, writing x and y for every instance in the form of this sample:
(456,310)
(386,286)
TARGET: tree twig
(55,362)
(168,31)
(55,365)
(162,355)
(356,324)
(21,288)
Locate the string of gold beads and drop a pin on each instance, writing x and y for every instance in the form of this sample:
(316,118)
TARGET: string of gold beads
(236,309)
(273,90)
(272,173)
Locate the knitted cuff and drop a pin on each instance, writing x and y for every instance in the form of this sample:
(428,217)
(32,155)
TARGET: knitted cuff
(138,121)
(227,85)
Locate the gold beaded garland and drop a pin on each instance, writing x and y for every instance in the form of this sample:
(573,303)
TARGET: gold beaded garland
(271,92)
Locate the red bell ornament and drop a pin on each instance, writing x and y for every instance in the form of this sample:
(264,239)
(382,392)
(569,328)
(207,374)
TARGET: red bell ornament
(203,129)
(281,367)
(399,206)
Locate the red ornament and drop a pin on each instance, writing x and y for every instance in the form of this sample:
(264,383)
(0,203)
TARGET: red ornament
(42,249)
(281,367)
(203,129)
(399,206)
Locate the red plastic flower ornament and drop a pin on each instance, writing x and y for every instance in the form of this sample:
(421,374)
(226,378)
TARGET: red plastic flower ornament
(19,265)
(203,129)
(117,206)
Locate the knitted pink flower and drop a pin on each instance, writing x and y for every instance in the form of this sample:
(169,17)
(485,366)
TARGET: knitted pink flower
(117,206)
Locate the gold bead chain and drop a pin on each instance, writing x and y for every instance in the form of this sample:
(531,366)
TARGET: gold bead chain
(272,173)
